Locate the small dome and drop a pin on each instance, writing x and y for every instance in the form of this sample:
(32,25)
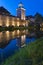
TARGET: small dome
(20,4)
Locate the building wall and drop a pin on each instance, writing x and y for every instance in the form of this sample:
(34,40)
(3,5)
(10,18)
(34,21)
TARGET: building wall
(21,13)
(11,21)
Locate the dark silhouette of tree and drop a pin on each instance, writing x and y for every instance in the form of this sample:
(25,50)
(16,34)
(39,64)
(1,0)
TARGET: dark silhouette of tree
(38,21)
(38,17)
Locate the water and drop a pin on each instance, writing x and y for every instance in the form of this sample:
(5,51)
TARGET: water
(10,42)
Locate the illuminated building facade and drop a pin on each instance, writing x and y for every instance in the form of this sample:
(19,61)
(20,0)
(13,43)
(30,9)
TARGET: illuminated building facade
(6,19)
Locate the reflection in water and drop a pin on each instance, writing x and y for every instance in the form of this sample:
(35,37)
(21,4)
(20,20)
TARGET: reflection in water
(21,40)
(18,32)
(12,41)
(0,36)
(23,37)
(6,36)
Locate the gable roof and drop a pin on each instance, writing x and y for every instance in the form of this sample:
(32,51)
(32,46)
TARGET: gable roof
(4,11)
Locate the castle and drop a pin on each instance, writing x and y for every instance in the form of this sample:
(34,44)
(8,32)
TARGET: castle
(6,19)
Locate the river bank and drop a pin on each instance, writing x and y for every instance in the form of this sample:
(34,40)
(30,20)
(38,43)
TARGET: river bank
(29,55)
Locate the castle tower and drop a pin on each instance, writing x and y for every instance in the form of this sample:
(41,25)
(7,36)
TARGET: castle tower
(21,11)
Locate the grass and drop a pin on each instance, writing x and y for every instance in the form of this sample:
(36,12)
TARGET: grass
(32,54)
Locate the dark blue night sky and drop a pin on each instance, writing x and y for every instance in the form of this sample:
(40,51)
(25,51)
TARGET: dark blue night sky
(32,6)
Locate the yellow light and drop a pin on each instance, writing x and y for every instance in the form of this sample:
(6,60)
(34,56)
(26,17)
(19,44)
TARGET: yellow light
(13,34)
(7,21)
(18,31)
(18,24)
(1,35)
(7,24)
(24,24)
(0,23)
(23,38)
(7,35)
(13,23)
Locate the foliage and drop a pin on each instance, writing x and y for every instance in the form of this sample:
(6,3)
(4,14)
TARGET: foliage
(32,54)
(38,17)
(12,28)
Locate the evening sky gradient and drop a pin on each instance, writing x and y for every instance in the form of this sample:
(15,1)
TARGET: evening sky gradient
(31,6)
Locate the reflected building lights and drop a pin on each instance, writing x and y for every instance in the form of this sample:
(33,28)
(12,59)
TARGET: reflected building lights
(13,34)
(18,32)
(1,36)
(7,35)
(23,38)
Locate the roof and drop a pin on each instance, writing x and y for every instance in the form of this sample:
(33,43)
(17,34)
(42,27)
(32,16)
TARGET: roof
(4,11)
